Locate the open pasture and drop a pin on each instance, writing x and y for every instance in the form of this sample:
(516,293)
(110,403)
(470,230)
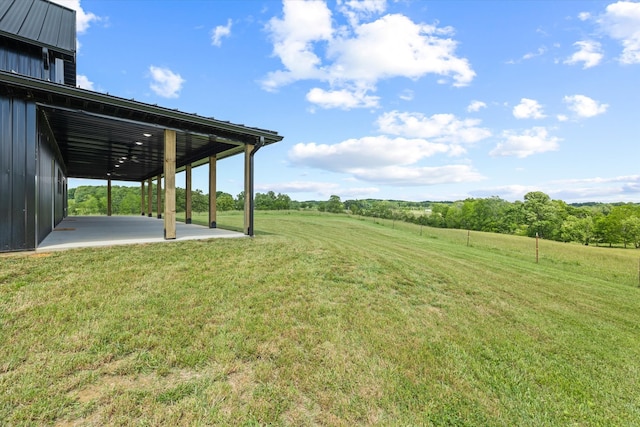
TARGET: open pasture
(322,319)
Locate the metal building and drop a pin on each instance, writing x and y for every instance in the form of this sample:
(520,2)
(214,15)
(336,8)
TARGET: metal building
(51,130)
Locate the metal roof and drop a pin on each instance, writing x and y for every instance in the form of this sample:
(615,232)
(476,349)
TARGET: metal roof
(101,135)
(39,22)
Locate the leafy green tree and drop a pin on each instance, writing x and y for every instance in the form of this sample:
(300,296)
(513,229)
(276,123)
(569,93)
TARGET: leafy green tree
(240,201)
(608,229)
(439,212)
(357,207)
(576,229)
(282,202)
(541,215)
(265,201)
(381,209)
(199,201)
(224,201)
(334,205)
(129,204)
(455,215)
(631,231)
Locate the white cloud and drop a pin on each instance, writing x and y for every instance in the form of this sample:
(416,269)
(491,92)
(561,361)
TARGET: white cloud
(356,10)
(589,53)
(304,22)
(476,106)
(529,55)
(583,16)
(165,82)
(617,189)
(219,32)
(383,160)
(528,109)
(440,128)
(417,176)
(532,141)
(562,118)
(407,95)
(83,19)
(541,51)
(583,106)
(357,192)
(573,190)
(621,21)
(344,99)
(367,152)
(395,46)
(362,53)
(300,187)
(83,82)
(506,192)
(593,189)
(323,189)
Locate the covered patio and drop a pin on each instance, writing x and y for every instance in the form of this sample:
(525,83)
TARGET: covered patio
(101,136)
(95,231)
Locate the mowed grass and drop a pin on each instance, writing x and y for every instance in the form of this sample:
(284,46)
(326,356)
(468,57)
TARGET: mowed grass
(322,320)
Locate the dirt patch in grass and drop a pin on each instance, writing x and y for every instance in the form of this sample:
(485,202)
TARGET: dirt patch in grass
(242,382)
(113,380)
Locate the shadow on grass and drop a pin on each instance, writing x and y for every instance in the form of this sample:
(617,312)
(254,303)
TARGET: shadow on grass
(233,228)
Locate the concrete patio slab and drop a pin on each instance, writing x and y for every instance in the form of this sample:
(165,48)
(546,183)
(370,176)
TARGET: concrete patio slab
(91,231)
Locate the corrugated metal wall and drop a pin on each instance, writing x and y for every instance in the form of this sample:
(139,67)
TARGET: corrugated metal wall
(59,196)
(51,185)
(24,59)
(45,183)
(17,174)
(29,63)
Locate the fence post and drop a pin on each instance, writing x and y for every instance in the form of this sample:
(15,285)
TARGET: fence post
(536,247)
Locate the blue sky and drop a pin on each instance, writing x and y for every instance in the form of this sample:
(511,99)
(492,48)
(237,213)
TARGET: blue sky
(412,100)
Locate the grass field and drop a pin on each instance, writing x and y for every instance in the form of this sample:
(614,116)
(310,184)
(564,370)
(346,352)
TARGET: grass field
(322,320)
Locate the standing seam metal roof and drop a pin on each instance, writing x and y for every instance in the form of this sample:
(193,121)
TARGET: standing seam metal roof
(39,22)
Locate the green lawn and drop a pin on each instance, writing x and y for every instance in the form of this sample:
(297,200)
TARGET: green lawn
(322,319)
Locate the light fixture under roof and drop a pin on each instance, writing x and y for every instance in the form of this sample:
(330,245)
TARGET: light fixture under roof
(147,134)
(138,142)
(117,166)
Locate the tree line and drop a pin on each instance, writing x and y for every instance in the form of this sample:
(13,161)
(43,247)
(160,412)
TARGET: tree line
(537,214)
(92,200)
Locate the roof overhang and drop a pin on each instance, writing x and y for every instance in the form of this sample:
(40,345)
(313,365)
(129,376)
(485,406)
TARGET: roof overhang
(101,136)
(39,22)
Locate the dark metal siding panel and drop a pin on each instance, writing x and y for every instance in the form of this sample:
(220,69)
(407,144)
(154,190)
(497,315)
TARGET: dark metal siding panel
(9,59)
(31,170)
(58,195)
(36,67)
(6,158)
(18,202)
(45,189)
(70,73)
(27,63)
(17,194)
